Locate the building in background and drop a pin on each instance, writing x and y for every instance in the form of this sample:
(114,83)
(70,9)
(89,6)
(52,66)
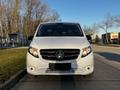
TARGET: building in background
(16,39)
(113,38)
(13,40)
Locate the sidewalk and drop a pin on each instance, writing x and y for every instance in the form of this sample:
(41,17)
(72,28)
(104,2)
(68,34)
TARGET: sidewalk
(114,45)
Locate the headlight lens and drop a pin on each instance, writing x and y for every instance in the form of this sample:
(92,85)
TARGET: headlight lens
(33,52)
(86,51)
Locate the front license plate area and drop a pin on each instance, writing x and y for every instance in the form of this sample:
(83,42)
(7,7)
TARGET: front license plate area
(60,66)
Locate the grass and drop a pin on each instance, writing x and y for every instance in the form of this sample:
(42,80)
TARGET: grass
(11,61)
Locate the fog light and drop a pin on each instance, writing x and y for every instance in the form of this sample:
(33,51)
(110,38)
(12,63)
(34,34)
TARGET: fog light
(88,68)
(32,68)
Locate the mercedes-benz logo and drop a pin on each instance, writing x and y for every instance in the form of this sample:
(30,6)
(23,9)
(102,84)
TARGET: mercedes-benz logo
(59,54)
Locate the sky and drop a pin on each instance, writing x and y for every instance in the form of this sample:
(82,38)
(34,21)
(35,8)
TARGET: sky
(86,12)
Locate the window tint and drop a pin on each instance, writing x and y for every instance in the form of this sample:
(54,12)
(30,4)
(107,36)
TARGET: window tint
(59,30)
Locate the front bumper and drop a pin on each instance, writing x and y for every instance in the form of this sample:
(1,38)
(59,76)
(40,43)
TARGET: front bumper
(81,66)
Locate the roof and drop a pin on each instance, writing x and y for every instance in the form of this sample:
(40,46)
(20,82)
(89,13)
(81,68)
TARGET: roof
(60,23)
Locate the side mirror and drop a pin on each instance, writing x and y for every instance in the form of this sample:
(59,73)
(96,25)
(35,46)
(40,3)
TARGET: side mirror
(30,38)
(89,38)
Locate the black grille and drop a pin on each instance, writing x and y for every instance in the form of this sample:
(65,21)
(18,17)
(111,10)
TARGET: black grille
(59,66)
(66,54)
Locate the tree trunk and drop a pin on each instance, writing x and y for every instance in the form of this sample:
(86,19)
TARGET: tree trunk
(107,41)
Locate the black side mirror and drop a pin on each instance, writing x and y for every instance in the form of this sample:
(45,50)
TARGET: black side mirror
(89,38)
(30,38)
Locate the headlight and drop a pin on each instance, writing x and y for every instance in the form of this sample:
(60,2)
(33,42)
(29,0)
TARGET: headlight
(33,52)
(86,51)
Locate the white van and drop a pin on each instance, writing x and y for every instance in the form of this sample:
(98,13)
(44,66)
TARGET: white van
(60,49)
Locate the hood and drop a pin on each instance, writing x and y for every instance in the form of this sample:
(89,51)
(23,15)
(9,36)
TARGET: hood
(59,42)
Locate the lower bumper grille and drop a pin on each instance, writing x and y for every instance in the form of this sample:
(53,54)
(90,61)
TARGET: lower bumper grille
(59,54)
(60,66)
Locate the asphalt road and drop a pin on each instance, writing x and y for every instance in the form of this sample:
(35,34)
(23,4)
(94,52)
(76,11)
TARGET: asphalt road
(106,75)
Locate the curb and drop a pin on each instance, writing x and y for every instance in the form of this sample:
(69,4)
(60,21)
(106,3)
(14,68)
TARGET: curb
(107,45)
(114,45)
(7,85)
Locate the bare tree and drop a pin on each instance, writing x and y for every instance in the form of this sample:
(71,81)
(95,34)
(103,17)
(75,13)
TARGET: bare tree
(41,12)
(3,19)
(106,24)
(24,16)
(91,30)
(15,15)
(116,20)
(87,29)
(53,16)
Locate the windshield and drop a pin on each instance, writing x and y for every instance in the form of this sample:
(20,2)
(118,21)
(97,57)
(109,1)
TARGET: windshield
(59,30)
